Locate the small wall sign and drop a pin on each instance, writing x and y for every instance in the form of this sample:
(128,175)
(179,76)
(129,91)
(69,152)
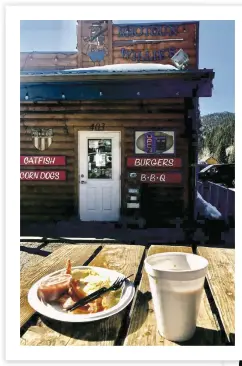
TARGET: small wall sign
(155,162)
(132,175)
(133,190)
(154,142)
(42,138)
(49,175)
(42,160)
(160,178)
(133,205)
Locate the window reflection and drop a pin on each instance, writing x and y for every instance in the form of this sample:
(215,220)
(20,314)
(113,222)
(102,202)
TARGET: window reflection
(99,159)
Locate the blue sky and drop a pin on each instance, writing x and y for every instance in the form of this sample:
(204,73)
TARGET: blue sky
(216,51)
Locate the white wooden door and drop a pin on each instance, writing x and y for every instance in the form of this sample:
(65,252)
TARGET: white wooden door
(99,175)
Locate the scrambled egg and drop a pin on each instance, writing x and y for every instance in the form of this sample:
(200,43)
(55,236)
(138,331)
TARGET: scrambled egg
(78,274)
(91,281)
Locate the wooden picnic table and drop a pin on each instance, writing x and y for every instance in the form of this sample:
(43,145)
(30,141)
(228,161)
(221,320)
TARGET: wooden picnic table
(135,325)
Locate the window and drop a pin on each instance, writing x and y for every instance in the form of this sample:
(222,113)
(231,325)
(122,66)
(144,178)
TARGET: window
(99,158)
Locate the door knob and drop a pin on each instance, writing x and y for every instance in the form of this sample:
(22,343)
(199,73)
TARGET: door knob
(83,182)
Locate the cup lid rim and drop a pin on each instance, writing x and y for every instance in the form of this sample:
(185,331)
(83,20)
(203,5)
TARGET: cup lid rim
(180,271)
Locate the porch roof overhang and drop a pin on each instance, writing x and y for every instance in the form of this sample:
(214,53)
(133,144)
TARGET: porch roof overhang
(58,86)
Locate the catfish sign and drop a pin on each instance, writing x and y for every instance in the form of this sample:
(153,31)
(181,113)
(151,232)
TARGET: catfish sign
(41,160)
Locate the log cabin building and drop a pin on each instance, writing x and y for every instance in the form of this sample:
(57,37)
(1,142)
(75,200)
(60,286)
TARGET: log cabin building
(116,142)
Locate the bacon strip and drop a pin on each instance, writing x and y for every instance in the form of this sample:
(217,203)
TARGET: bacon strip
(68,267)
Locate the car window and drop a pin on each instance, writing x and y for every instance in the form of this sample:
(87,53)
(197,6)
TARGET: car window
(205,169)
(214,170)
(226,169)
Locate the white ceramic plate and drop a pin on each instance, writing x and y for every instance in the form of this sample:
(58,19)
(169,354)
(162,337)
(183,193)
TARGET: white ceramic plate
(55,312)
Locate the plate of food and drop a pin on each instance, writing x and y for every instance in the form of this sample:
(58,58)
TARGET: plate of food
(54,294)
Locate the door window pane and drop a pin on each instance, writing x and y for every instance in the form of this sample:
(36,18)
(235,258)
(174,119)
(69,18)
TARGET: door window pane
(99,159)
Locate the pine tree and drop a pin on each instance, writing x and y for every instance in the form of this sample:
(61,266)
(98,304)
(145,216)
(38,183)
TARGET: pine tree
(216,135)
(231,157)
(221,154)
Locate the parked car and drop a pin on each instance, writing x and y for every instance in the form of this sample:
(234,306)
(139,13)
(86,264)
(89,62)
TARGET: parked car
(219,173)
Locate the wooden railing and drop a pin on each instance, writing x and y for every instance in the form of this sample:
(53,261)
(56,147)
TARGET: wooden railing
(220,197)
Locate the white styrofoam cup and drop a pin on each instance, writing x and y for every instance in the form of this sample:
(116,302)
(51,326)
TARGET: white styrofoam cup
(176,284)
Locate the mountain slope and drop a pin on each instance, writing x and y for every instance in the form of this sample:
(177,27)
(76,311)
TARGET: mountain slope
(216,136)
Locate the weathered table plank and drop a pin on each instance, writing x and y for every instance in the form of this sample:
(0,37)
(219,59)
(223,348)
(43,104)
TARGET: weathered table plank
(143,331)
(27,259)
(28,255)
(221,281)
(54,262)
(123,258)
(32,253)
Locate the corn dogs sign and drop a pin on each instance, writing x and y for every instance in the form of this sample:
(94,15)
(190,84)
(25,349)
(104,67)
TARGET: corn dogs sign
(42,175)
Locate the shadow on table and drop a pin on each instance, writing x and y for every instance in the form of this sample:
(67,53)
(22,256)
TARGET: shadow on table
(202,336)
(206,337)
(113,328)
(232,339)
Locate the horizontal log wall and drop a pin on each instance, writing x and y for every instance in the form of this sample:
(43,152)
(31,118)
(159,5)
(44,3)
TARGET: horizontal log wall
(59,200)
(48,61)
